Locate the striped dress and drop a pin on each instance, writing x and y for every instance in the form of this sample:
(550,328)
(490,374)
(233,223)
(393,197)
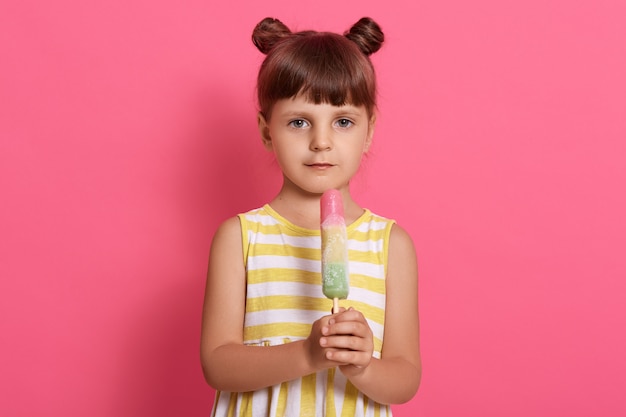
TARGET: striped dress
(284,297)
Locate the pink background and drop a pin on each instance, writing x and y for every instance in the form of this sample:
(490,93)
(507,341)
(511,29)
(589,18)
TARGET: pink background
(127,134)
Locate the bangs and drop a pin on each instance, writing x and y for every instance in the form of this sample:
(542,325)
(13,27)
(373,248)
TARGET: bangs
(323,68)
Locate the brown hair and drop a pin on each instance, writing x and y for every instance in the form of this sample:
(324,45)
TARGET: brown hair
(325,67)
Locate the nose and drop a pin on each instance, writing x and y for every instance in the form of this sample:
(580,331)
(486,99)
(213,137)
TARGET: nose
(321,139)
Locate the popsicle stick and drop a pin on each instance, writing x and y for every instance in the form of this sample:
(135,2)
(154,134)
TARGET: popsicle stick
(335,305)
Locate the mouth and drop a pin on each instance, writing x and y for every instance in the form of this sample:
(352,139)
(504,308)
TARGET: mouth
(320,165)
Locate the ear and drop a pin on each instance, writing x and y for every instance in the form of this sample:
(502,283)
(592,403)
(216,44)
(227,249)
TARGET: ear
(264,130)
(370,133)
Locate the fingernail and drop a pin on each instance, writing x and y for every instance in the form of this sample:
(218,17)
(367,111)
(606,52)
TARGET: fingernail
(323,341)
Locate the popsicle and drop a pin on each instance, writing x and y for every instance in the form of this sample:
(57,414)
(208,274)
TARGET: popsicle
(335,275)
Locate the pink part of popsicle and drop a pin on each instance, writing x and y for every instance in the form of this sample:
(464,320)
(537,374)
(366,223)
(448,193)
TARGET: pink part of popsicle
(331,206)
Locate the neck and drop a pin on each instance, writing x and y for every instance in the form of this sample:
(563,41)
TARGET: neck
(303,208)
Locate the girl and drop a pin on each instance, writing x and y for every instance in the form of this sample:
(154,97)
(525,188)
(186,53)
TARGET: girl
(269,346)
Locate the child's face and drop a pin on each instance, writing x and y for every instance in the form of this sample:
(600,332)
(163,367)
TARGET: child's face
(317,146)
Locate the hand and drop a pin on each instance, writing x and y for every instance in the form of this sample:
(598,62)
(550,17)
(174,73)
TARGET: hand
(317,354)
(348,340)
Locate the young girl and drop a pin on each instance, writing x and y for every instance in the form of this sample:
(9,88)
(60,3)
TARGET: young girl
(270,346)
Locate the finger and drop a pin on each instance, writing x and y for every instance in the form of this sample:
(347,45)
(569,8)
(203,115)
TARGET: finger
(347,342)
(346,328)
(358,359)
(349,315)
(353,328)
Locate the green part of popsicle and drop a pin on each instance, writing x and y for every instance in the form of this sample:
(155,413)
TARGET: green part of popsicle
(335,280)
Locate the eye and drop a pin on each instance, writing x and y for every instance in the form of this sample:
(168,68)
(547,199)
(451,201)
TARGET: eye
(299,123)
(344,123)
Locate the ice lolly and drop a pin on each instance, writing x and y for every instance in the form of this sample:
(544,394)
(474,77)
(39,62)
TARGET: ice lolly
(335,275)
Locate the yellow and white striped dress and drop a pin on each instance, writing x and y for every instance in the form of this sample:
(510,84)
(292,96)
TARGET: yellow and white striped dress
(284,297)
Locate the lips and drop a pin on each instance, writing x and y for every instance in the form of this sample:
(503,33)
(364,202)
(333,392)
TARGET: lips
(320,165)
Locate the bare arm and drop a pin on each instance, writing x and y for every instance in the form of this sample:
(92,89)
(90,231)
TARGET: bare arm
(396,376)
(227,363)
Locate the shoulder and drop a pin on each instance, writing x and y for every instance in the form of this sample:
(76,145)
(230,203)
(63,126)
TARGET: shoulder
(400,238)
(226,256)
(227,236)
(401,249)
(233,226)
(371,216)
(397,235)
(228,227)
(374,223)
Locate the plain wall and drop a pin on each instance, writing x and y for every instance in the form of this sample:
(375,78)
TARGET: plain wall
(128,133)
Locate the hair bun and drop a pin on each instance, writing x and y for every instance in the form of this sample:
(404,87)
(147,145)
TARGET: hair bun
(368,36)
(268,32)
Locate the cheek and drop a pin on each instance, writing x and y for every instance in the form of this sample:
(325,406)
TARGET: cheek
(286,155)
(355,159)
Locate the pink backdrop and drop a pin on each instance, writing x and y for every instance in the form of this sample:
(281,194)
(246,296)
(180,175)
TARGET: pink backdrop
(127,134)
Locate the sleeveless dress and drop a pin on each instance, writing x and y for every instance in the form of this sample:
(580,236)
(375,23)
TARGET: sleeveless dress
(284,297)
